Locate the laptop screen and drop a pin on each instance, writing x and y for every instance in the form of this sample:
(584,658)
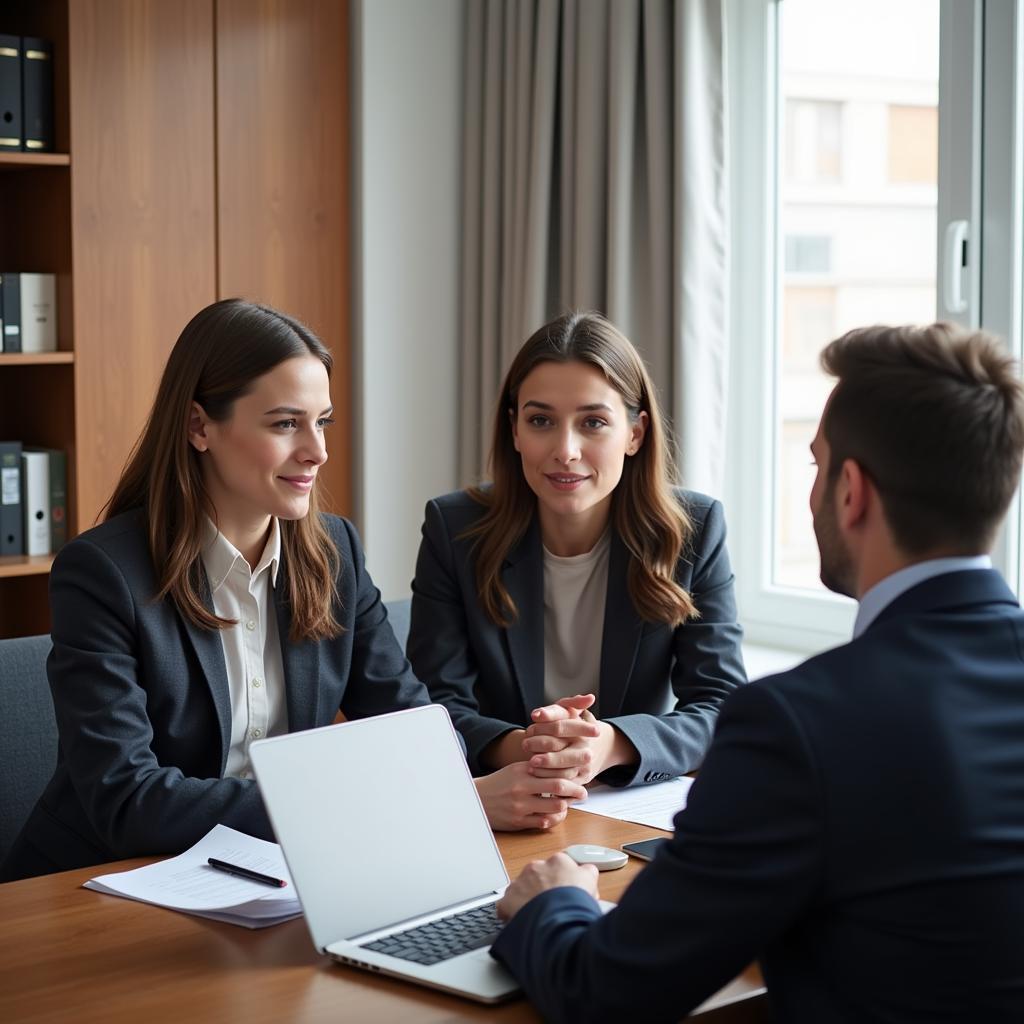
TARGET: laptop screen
(379,821)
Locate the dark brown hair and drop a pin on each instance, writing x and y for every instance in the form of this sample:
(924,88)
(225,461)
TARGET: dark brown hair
(935,416)
(645,513)
(220,353)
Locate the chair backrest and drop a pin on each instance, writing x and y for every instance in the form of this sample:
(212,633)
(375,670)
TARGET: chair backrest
(28,732)
(398,615)
(28,728)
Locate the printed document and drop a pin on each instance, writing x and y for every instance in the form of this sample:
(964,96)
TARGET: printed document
(653,805)
(187,883)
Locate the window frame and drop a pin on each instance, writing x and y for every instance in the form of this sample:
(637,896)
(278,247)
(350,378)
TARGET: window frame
(980,53)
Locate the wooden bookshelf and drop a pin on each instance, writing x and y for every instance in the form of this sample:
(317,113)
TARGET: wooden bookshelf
(24,565)
(35,358)
(11,159)
(169,199)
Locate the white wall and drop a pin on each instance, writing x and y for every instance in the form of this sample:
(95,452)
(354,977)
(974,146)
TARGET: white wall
(407,67)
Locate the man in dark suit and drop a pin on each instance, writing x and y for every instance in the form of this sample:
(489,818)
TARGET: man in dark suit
(858,823)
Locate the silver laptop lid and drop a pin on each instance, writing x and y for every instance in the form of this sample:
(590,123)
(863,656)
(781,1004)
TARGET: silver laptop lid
(379,821)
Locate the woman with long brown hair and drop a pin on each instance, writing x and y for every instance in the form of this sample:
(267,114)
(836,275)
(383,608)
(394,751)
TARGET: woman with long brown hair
(215,605)
(578,611)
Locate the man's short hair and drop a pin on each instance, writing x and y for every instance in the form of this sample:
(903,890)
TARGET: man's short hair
(935,417)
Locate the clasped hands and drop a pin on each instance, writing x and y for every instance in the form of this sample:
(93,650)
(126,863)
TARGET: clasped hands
(565,747)
(565,742)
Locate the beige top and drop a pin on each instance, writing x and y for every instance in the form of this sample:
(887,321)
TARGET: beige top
(574,596)
(252,647)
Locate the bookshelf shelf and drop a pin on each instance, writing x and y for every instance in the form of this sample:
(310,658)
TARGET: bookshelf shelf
(25,565)
(139,245)
(35,358)
(19,160)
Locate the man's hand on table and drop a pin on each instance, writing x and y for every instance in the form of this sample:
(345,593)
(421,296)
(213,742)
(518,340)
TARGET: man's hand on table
(540,875)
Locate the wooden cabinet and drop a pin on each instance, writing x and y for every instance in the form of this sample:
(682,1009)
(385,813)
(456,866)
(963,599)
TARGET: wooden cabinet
(203,153)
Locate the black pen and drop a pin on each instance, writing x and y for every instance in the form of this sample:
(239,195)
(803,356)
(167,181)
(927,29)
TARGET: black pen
(253,876)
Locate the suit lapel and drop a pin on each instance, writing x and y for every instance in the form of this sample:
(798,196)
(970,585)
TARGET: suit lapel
(621,636)
(523,576)
(301,662)
(210,652)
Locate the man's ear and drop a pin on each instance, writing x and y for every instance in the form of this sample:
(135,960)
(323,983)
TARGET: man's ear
(853,494)
(197,423)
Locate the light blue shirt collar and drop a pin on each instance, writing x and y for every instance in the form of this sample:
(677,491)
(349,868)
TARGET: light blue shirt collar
(883,593)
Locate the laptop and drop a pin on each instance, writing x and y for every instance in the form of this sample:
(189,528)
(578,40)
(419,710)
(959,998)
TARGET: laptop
(389,848)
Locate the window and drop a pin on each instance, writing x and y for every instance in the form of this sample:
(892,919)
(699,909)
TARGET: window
(913,144)
(884,239)
(862,159)
(808,254)
(812,140)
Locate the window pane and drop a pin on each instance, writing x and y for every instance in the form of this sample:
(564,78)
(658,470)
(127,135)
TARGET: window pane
(857,212)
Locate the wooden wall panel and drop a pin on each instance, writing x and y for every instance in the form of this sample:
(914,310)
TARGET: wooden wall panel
(283,179)
(143,213)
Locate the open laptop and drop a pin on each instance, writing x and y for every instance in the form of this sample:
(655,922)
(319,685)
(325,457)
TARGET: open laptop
(389,848)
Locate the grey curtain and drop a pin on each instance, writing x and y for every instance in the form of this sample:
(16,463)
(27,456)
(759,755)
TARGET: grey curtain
(594,178)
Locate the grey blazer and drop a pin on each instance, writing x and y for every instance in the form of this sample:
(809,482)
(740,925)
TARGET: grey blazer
(491,678)
(143,706)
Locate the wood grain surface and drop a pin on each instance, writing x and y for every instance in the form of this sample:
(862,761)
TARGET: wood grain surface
(67,953)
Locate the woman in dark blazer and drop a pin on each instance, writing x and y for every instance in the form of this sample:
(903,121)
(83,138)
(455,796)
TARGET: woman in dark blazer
(579,562)
(213,606)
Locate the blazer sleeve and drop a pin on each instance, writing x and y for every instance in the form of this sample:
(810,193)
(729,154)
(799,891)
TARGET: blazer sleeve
(136,804)
(439,646)
(707,666)
(743,865)
(380,678)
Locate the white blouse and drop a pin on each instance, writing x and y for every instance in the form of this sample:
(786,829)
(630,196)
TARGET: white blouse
(252,647)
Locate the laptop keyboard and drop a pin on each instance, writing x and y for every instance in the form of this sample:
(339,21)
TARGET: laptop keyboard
(441,940)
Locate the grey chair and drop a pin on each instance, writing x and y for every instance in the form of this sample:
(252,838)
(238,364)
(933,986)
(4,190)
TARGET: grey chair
(28,732)
(399,613)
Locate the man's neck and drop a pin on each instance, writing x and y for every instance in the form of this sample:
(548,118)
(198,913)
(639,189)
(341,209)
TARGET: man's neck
(884,560)
(881,594)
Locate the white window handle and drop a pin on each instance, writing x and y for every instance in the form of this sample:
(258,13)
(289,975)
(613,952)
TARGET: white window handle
(954,261)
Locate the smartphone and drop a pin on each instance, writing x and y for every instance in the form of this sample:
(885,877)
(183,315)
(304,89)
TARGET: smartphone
(644,850)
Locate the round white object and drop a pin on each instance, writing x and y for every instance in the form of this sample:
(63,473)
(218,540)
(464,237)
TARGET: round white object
(603,857)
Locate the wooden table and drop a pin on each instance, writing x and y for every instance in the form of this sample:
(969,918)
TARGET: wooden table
(67,953)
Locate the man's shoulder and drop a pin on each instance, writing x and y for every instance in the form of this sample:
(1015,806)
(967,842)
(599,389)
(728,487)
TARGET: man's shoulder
(893,663)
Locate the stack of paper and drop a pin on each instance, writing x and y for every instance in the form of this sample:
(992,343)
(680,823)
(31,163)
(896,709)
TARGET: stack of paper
(653,805)
(187,883)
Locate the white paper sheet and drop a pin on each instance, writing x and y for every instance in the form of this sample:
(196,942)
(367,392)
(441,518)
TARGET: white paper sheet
(653,805)
(189,884)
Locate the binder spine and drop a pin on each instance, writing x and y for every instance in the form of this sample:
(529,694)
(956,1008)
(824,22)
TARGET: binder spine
(11,287)
(10,92)
(58,500)
(37,94)
(11,512)
(36,498)
(58,495)
(38,312)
